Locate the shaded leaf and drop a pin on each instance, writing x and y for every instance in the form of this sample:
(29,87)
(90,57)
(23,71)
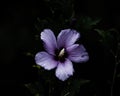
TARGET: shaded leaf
(87,23)
(73,87)
(35,88)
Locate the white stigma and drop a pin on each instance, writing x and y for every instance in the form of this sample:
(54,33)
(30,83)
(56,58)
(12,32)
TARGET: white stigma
(62,52)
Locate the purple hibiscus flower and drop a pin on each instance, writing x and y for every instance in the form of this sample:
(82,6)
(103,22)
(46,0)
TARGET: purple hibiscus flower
(61,53)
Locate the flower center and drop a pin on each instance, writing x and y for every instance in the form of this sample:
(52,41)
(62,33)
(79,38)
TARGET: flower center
(61,53)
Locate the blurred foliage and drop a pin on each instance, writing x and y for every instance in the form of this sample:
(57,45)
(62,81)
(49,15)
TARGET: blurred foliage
(86,23)
(107,37)
(69,89)
(74,85)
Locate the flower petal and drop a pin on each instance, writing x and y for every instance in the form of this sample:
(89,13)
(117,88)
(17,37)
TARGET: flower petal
(77,53)
(45,60)
(49,40)
(67,37)
(64,70)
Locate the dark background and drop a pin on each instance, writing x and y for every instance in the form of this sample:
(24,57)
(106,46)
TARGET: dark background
(17,37)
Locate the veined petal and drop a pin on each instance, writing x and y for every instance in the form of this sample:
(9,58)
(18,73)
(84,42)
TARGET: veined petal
(77,53)
(49,40)
(64,70)
(45,60)
(67,37)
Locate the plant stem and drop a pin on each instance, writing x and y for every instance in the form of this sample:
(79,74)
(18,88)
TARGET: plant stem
(114,75)
(115,69)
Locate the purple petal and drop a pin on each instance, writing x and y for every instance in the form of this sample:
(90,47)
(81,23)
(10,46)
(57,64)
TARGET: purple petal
(64,70)
(45,60)
(77,53)
(67,37)
(49,41)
